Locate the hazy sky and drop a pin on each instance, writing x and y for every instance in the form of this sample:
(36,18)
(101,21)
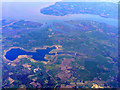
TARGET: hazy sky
(58,0)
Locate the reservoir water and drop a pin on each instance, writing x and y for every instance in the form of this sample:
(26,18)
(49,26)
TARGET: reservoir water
(39,54)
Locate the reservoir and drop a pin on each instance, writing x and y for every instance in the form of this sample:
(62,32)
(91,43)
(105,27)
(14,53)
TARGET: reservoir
(39,54)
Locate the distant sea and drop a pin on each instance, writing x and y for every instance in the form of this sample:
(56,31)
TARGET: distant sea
(31,11)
